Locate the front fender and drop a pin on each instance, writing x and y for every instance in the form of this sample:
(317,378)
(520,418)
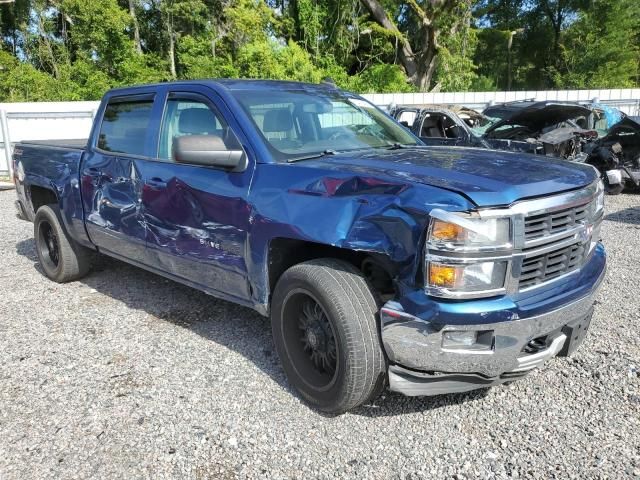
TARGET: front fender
(350,211)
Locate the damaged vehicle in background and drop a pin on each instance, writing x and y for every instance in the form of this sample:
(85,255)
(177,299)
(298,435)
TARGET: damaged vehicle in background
(540,128)
(616,155)
(452,125)
(598,135)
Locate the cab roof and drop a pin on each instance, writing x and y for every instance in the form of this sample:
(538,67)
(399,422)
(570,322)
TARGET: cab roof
(233,84)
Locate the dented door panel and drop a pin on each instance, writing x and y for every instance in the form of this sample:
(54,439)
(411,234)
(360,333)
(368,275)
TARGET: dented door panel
(197,225)
(111,187)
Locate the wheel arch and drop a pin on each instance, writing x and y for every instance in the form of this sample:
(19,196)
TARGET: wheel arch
(42,195)
(283,253)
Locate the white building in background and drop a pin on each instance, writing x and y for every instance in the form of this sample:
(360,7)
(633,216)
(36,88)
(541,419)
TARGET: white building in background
(65,120)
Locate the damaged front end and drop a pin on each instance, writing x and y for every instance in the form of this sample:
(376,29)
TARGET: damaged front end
(543,128)
(616,155)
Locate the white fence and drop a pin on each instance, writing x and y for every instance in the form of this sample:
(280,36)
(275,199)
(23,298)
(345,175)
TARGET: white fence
(42,121)
(64,120)
(627,100)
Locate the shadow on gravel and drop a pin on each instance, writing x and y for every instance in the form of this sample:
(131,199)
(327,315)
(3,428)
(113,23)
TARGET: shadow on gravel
(225,323)
(392,404)
(629,215)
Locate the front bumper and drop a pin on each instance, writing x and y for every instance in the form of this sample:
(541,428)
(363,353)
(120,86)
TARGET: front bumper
(420,365)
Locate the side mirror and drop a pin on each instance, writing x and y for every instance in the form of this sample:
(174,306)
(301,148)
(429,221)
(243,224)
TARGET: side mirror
(208,150)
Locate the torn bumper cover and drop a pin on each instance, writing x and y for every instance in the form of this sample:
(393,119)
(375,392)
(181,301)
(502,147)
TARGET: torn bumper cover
(433,359)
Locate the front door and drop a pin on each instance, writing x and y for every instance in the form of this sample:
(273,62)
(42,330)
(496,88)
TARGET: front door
(197,217)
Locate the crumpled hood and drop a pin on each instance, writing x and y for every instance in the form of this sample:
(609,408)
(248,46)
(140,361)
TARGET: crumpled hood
(486,177)
(542,115)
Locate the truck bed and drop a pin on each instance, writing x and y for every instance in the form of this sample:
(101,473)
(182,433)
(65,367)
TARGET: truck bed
(75,144)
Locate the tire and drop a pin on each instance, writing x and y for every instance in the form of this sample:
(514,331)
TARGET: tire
(62,259)
(323,318)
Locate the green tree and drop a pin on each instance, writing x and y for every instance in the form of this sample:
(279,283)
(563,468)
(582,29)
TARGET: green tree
(419,29)
(602,48)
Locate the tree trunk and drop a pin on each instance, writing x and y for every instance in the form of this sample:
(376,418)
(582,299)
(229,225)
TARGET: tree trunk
(47,43)
(419,66)
(136,27)
(556,17)
(172,46)
(405,52)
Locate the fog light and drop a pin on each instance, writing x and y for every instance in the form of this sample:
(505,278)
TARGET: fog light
(480,341)
(459,338)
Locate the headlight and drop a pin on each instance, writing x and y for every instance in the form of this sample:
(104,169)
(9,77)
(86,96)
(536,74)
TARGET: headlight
(450,234)
(599,197)
(595,210)
(453,232)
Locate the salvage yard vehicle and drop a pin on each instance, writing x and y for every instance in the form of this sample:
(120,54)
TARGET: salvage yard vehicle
(530,127)
(544,128)
(616,155)
(578,132)
(564,130)
(381,262)
(443,124)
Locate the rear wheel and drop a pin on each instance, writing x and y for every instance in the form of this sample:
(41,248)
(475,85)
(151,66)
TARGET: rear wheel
(61,258)
(324,325)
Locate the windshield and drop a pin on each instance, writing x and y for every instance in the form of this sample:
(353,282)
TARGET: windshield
(605,117)
(296,123)
(481,125)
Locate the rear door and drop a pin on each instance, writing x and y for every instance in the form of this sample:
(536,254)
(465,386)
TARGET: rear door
(110,177)
(197,216)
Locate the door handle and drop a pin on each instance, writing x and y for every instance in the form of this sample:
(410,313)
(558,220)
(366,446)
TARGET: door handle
(156,182)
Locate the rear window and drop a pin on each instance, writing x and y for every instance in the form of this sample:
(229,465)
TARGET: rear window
(124,127)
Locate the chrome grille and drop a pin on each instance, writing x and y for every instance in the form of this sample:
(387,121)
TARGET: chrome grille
(550,223)
(541,268)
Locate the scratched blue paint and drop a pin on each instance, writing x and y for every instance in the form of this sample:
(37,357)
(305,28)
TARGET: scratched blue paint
(212,229)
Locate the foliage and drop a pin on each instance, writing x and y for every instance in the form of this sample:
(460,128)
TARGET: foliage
(602,47)
(380,78)
(75,49)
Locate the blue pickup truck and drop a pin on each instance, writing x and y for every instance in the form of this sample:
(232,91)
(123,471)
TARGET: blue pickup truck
(380,261)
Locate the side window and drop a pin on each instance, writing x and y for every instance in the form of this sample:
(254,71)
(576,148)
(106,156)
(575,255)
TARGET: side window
(407,117)
(188,116)
(124,126)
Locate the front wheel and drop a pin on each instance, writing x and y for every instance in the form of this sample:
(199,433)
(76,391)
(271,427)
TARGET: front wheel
(61,258)
(323,318)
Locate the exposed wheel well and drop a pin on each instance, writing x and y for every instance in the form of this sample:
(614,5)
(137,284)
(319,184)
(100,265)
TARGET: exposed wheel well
(285,253)
(41,196)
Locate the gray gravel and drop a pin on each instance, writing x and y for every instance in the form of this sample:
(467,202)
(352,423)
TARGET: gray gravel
(127,375)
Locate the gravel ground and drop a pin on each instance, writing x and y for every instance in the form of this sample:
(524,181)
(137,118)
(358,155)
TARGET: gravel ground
(127,375)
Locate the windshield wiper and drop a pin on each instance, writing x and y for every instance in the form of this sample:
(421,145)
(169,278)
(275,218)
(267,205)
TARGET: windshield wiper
(324,153)
(397,146)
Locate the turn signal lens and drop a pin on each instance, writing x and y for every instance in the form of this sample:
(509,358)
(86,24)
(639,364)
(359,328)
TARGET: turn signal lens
(442,275)
(471,277)
(447,232)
